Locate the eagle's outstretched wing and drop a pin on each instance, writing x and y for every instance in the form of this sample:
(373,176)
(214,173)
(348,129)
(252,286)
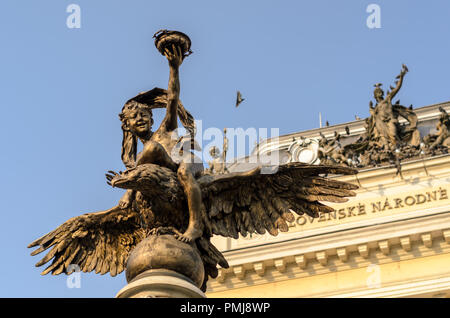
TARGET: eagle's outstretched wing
(252,202)
(94,241)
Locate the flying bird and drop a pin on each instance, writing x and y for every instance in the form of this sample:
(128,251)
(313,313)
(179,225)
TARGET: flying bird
(235,203)
(239,98)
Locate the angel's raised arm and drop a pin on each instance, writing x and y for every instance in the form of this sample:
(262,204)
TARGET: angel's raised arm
(399,83)
(175,59)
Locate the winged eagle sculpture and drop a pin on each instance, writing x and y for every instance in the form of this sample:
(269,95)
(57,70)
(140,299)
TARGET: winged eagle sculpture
(168,198)
(235,203)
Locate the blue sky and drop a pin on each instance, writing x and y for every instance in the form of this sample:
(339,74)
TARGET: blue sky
(62,89)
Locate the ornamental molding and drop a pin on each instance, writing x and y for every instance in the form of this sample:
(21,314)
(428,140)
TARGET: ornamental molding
(336,259)
(430,287)
(355,237)
(304,150)
(332,252)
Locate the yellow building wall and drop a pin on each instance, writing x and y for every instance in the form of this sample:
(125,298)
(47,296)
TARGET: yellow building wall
(396,249)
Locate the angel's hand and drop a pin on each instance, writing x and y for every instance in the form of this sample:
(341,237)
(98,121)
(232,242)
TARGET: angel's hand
(175,57)
(404,69)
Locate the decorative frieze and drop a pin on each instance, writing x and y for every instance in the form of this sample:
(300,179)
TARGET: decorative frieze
(280,265)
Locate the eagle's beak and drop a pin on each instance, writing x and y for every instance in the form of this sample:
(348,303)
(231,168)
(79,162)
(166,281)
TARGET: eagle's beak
(117,182)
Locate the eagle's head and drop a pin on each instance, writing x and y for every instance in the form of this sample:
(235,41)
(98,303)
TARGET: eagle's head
(149,178)
(128,179)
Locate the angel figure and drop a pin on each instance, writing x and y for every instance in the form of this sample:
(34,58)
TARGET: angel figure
(442,136)
(385,122)
(163,147)
(216,165)
(168,193)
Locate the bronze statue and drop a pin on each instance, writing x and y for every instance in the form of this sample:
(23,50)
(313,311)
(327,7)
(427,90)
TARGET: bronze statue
(386,127)
(159,146)
(385,139)
(215,166)
(331,151)
(224,152)
(169,195)
(219,163)
(442,136)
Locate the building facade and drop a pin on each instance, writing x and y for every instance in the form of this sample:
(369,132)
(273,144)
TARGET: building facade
(391,240)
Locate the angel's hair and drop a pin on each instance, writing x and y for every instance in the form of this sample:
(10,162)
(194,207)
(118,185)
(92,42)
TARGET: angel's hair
(154,98)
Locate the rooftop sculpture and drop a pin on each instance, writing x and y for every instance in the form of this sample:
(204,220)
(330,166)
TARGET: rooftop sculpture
(219,163)
(386,140)
(441,139)
(172,208)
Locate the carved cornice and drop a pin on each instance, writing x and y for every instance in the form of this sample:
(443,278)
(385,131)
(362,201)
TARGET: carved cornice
(357,255)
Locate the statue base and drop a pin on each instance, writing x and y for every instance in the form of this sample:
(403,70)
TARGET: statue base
(160,283)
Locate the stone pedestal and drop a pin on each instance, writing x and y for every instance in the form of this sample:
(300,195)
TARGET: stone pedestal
(156,283)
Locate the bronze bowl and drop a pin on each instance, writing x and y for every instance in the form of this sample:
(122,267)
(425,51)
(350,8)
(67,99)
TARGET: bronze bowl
(165,38)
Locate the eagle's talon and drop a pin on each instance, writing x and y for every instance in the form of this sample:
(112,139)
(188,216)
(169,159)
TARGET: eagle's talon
(164,230)
(183,238)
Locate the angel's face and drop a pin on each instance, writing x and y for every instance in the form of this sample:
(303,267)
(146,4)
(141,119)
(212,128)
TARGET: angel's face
(139,121)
